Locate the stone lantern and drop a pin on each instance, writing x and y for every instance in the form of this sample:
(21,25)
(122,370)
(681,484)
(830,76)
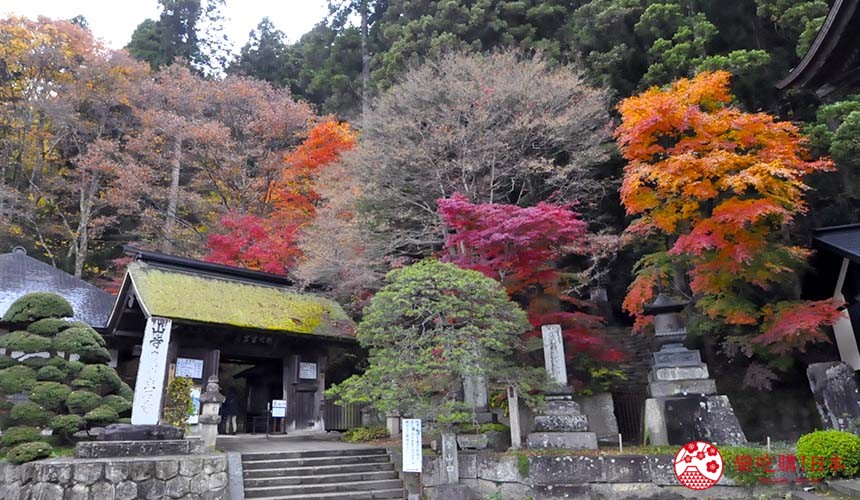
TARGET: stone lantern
(210,417)
(683,404)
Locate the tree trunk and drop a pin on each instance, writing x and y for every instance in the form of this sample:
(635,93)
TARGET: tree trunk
(173,197)
(365,62)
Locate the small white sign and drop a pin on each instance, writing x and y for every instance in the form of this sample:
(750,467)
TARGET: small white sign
(412,456)
(308,371)
(279,408)
(187,367)
(195,400)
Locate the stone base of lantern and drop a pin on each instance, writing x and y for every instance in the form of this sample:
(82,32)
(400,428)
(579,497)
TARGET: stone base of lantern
(562,424)
(684,406)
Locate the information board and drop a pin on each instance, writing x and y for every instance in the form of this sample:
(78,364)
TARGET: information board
(308,371)
(412,456)
(187,367)
(279,408)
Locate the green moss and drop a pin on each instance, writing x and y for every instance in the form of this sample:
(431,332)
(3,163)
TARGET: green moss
(67,424)
(80,402)
(50,374)
(28,452)
(51,395)
(29,413)
(48,327)
(16,379)
(25,342)
(102,415)
(20,434)
(118,403)
(523,465)
(36,306)
(251,306)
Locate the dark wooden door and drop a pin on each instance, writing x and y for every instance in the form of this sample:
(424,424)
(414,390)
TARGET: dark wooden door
(305,409)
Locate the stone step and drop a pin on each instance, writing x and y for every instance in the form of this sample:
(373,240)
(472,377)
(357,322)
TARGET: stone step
(318,470)
(348,495)
(314,461)
(808,495)
(306,490)
(319,479)
(279,455)
(849,487)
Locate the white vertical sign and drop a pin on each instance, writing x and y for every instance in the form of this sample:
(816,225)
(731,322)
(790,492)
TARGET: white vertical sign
(149,388)
(195,400)
(553,354)
(412,456)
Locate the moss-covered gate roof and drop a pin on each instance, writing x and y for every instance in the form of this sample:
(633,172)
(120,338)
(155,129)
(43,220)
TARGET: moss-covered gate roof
(177,294)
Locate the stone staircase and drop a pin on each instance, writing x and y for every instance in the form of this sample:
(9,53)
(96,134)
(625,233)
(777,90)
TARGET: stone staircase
(352,474)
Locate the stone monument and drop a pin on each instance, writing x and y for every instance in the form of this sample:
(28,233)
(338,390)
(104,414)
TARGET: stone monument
(475,396)
(683,404)
(836,395)
(561,423)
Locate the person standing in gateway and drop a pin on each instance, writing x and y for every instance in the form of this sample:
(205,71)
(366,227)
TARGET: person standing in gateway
(230,412)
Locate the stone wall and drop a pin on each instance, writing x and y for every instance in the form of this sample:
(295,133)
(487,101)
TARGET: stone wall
(512,476)
(189,477)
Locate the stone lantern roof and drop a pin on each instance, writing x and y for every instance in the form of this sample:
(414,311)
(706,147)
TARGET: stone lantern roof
(665,304)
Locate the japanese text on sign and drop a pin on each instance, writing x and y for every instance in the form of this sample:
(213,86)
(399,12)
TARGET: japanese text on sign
(150,374)
(412,457)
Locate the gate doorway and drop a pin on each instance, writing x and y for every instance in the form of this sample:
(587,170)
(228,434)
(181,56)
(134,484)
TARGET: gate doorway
(255,383)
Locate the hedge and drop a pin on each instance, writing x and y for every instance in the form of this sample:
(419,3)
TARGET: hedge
(39,305)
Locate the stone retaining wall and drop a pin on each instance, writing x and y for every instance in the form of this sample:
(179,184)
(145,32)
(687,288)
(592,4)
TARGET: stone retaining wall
(188,477)
(570,477)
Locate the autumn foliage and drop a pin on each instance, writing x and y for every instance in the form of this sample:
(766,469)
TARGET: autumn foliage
(521,247)
(270,242)
(718,187)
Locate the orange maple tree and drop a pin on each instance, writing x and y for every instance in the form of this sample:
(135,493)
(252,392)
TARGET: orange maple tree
(270,242)
(294,196)
(717,187)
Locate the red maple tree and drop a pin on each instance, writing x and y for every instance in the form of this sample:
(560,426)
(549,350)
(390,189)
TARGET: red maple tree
(270,242)
(521,248)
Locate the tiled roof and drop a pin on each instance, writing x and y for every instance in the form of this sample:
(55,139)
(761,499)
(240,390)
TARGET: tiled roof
(21,274)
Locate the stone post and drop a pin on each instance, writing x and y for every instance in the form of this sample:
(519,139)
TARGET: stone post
(211,401)
(450,460)
(514,410)
(553,354)
(392,423)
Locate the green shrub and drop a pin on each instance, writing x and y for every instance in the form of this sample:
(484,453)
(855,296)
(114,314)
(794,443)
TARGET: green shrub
(16,379)
(35,362)
(482,429)
(80,402)
(7,361)
(36,306)
(178,405)
(746,477)
(25,342)
(126,391)
(360,434)
(50,374)
(67,424)
(29,413)
(20,434)
(72,339)
(28,452)
(103,415)
(523,465)
(48,327)
(118,403)
(829,444)
(51,395)
(84,384)
(104,377)
(72,367)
